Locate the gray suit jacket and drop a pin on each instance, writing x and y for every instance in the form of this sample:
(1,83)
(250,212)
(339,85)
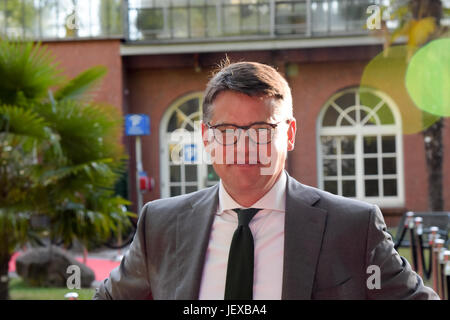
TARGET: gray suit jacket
(330,242)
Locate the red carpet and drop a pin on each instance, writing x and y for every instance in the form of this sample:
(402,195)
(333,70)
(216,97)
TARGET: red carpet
(101,267)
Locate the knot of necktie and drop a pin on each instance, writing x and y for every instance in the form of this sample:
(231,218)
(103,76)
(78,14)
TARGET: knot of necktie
(246,215)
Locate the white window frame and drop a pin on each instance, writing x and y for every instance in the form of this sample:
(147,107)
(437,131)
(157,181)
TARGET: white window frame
(359,131)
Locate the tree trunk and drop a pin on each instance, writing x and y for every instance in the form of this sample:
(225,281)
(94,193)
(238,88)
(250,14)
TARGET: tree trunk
(434,159)
(4,279)
(434,150)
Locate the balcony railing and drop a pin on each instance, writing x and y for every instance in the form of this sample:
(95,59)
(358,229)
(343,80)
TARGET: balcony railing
(182,20)
(189,20)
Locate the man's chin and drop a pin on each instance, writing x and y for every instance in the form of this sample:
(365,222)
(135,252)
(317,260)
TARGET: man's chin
(245,167)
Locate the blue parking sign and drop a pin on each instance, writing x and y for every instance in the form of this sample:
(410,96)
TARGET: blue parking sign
(137,124)
(190,153)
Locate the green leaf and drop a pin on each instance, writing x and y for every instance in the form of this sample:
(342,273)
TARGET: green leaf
(30,70)
(81,84)
(17,120)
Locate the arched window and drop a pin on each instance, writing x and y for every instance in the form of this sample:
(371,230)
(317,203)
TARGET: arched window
(183,169)
(359,143)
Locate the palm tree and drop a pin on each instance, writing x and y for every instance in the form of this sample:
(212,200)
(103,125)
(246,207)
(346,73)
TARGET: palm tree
(419,22)
(59,155)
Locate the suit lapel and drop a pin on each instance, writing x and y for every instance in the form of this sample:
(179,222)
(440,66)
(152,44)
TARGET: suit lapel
(193,230)
(304,228)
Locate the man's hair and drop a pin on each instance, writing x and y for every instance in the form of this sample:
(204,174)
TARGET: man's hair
(250,78)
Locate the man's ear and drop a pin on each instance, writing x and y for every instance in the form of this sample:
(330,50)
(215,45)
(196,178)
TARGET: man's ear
(205,135)
(291,134)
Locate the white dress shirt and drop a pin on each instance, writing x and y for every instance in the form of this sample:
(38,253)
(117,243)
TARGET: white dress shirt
(267,227)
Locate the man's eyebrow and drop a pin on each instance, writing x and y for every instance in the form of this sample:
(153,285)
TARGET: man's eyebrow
(236,125)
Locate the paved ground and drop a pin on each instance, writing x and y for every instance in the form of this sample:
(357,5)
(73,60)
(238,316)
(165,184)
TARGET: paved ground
(101,261)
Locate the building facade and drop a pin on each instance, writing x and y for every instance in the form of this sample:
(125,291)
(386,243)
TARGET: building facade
(353,138)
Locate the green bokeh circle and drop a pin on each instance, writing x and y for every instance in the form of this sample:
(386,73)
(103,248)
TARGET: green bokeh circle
(428,78)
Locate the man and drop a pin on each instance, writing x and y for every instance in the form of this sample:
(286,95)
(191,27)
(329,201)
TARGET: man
(295,241)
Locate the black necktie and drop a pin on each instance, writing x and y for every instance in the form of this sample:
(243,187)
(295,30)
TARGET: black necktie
(239,283)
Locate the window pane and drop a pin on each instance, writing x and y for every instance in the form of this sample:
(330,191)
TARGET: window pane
(348,188)
(319,11)
(369,122)
(190,106)
(290,18)
(175,191)
(175,122)
(330,117)
(352,115)
(180,22)
(385,115)
(390,187)
(249,18)
(348,145)
(197,22)
(329,167)
(231,21)
(346,100)
(368,99)
(389,166)
(175,153)
(212,29)
(264,18)
(190,172)
(348,167)
(370,144)
(337,19)
(328,145)
(356,15)
(49,20)
(371,188)
(345,121)
(175,174)
(371,166)
(331,186)
(212,175)
(388,144)
(190,189)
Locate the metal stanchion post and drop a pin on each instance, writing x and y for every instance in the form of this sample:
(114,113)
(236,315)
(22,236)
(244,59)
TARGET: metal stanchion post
(419,248)
(412,243)
(438,245)
(442,277)
(431,237)
(447,275)
(433,233)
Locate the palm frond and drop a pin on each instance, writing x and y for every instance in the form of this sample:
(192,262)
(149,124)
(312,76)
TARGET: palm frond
(92,170)
(17,120)
(87,131)
(82,84)
(30,70)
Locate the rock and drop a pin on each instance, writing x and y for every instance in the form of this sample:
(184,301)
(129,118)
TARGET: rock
(47,267)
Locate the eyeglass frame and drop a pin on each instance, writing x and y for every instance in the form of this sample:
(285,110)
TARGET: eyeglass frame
(245,128)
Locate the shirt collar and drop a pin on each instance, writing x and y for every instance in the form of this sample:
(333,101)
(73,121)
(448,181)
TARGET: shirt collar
(274,199)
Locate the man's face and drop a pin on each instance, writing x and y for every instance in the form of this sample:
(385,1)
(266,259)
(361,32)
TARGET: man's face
(262,163)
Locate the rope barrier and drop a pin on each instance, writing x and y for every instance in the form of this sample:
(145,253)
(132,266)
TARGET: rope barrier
(438,267)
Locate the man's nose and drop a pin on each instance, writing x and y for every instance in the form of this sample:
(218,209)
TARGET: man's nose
(246,150)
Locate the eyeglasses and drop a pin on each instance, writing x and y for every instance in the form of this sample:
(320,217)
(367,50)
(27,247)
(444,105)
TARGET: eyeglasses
(258,132)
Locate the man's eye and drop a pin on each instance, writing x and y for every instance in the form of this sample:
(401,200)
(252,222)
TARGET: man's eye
(227,130)
(262,129)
